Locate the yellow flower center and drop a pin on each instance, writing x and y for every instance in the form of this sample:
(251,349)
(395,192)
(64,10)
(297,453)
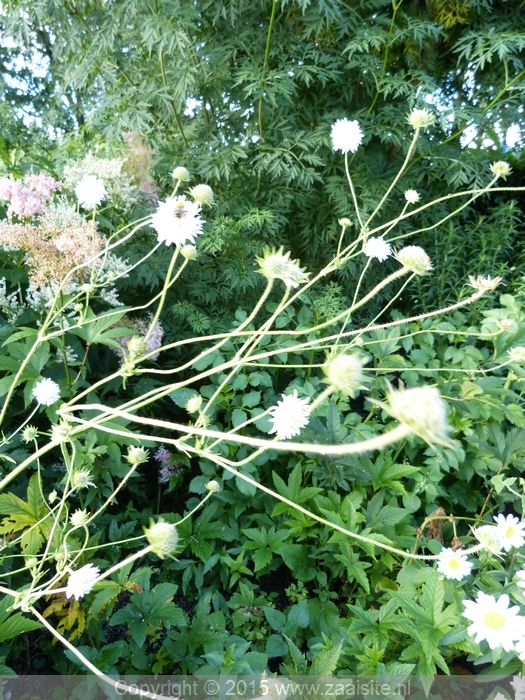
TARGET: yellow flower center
(509,531)
(453,564)
(494,620)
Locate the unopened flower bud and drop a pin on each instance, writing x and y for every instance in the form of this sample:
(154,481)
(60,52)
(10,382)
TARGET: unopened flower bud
(202,194)
(345,373)
(423,411)
(77,308)
(162,537)
(137,346)
(415,259)
(194,404)
(88,288)
(213,486)
(52,497)
(137,455)
(181,174)
(345,222)
(32,563)
(500,169)
(420,118)
(189,252)
(29,434)
(490,537)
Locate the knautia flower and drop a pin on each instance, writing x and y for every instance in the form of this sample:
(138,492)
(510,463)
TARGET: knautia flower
(415,259)
(289,416)
(420,118)
(490,537)
(411,196)
(90,191)
(81,479)
(163,538)
(517,354)
(511,531)
(137,455)
(345,373)
(500,169)
(213,486)
(423,411)
(203,194)
(276,265)
(29,434)
(180,173)
(81,582)
(453,565)
(346,135)
(177,221)
(494,621)
(46,392)
(484,284)
(377,248)
(79,518)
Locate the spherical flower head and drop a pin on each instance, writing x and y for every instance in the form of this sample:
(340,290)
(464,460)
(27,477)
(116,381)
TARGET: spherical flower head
(189,252)
(289,416)
(345,373)
(412,197)
(81,582)
(213,486)
(517,354)
(500,169)
(194,404)
(511,531)
(81,479)
(136,346)
(346,135)
(162,537)
(423,411)
(46,392)
(345,222)
(90,191)
(415,259)
(278,266)
(507,325)
(453,565)
(377,248)
(181,174)
(494,621)
(177,221)
(420,118)
(29,434)
(60,432)
(490,537)
(203,194)
(484,284)
(79,518)
(137,455)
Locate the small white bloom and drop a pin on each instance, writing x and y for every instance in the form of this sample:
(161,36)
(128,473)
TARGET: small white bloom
(137,455)
(411,196)
(507,325)
(194,404)
(500,169)
(180,173)
(289,416)
(81,479)
(423,410)
(345,222)
(415,259)
(453,565)
(203,194)
(78,518)
(484,284)
(177,221)
(81,582)
(346,135)
(494,621)
(420,118)
(489,536)
(345,373)
(46,392)
(517,354)
(213,486)
(276,265)
(511,530)
(163,538)
(377,248)
(90,191)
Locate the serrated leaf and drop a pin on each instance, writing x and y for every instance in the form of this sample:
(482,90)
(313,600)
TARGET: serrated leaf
(325,663)
(15,625)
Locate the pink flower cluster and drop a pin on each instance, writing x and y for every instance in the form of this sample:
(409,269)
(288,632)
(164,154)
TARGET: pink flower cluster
(27,199)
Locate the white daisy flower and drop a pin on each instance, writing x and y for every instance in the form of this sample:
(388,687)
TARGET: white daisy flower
(453,565)
(494,621)
(177,220)
(289,416)
(377,248)
(346,135)
(81,582)
(511,531)
(46,392)
(90,191)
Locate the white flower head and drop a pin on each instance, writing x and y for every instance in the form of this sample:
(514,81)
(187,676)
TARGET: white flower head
(484,284)
(289,416)
(517,354)
(213,486)
(137,455)
(177,220)
(79,518)
(412,197)
(500,169)
(377,248)
(46,392)
(203,194)
(181,173)
(276,265)
(90,191)
(346,135)
(194,404)
(511,531)
(494,621)
(420,118)
(453,565)
(490,537)
(415,259)
(345,373)
(81,582)
(163,538)
(507,325)
(422,410)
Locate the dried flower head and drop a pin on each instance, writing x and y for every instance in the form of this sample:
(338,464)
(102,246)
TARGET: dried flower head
(500,169)
(346,135)
(163,538)
(420,118)
(423,411)
(275,265)
(415,259)
(484,284)
(345,373)
(411,196)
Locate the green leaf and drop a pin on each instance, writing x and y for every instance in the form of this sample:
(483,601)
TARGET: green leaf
(325,663)
(276,619)
(275,646)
